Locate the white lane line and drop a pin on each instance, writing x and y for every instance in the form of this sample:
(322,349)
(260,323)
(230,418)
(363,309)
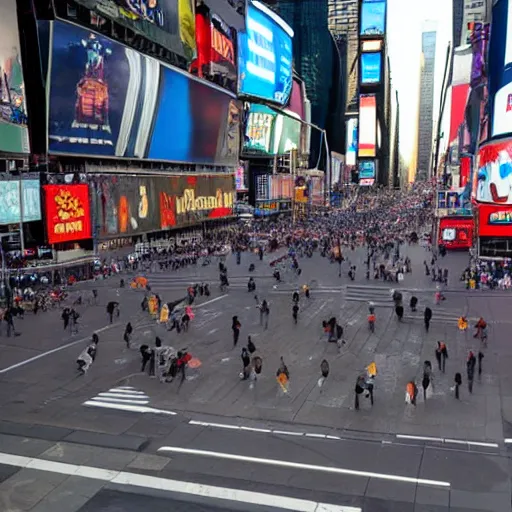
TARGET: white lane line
(128,407)
(174,486)
(318,436)
(126,391)
(334,438)
(261,430)
(119,400)
(298,465)
(508,440)
(54,350)
(124,396)
(124,387)
(211,301)
(287,433)
(420,438)
(485,445)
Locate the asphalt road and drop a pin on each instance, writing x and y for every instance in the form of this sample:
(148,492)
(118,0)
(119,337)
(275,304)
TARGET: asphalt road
(222,433)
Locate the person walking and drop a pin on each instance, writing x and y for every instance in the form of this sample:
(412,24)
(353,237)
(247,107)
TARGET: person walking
(246,364)
(399,310)
(235,327)
(470,370)
(458,383)
(480,357)
(128,334)
(441,355)
(427,378)
(427,317)
(295,312)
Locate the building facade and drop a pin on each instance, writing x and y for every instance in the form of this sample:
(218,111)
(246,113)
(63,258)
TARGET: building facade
(425,133)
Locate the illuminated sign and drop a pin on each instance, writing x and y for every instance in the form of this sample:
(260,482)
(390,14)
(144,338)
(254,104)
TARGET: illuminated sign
(366,182)
(372,46)
(373,18)
(222,45)
(370,68)
(502,217)
(190,203)
(351,149)
(367,125)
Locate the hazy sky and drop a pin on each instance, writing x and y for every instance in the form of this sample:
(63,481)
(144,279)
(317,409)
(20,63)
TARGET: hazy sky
(406,20)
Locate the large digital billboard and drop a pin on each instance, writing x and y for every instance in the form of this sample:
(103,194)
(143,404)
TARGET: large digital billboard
(10,207)
(107,100)
(500,68)
(259,130)
(68,213)
(366,169)
(131,205)
(265,56)
(216,57)
(373,17)
(367,125)
(494,221)
(13,110)
(352,136)
(493,182)
(170,23)
(370,68)
(286,135)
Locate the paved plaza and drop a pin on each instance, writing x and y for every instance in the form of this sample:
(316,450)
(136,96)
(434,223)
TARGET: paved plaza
(47,405)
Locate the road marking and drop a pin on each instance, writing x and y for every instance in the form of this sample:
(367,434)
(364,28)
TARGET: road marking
(508,440)
(450,441)
(261,430)
(174,486)
(298,465)
(123,396)
(119,400)
(128,391)
(215,425)
(287,433)
(128,407)
(54,350)
(319,436)
(211,301)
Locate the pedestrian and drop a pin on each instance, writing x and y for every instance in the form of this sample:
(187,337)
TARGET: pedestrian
(413,303)
(64,316)
(128,334)
(264,313)
(235,326)
(145,353)
(251,347)
(73,318)
(427,378)
(295,313)
(411,392)
(441,355)
(470,370)
(246,364)
(111,308)
(399,310)
(480,357)
(427,317)
(458,383)
(8,318)
(359,390)
(283,376)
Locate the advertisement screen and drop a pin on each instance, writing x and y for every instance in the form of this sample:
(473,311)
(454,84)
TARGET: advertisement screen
(366,182)
(131,205)
(373,17)
(370,68)
(460,95)
(474,11)
(351,148)
(456,232)
(286,135)
(494,174)
(259,130)
(68,214)
(465,170)
(495,221)
(367,125)
(366,169)
(281,186)
(109,100)
(297,100)
(215,51)
(170,23)
(13,109)
(265,56)
(240,181)
(10,209)
(500,68)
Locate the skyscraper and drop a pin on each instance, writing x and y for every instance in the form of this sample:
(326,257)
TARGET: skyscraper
(344,23)
(428,48)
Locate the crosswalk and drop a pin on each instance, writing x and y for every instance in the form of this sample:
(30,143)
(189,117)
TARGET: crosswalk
(124,398)
(382,298)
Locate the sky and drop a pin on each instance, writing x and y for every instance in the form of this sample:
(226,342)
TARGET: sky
(406,20)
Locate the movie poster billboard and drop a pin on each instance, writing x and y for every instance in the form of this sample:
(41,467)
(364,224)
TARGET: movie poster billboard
(133,205)
(13,108)
(169,23)
(107,100)
(68,214)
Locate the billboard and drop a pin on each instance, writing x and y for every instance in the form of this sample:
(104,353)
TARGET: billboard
(494,175)
(296,104)
(265,56)
(351,147)
(460,94)
(367,125)
(495,221)
(286,135)
(10,208)
(371,68)
(169,23)
(240,179)
(132,205)
(215,51)
(500,68)
(13,109)
(68,214)
(259,129)
(456,232)
(366,169)
(373,18)
(366,182)
(474,11)
(107,100)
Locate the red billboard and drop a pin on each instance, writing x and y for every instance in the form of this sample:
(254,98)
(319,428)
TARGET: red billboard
(68,213)
(495,221)
(465,170)
(460,95)
(297,99)
(456,232)
(367,125)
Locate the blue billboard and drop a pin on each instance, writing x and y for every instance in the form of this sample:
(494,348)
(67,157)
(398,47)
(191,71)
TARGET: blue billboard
(10,208)
(366,169)
(370,68)
(265,56)
(107,100)
(373,18)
